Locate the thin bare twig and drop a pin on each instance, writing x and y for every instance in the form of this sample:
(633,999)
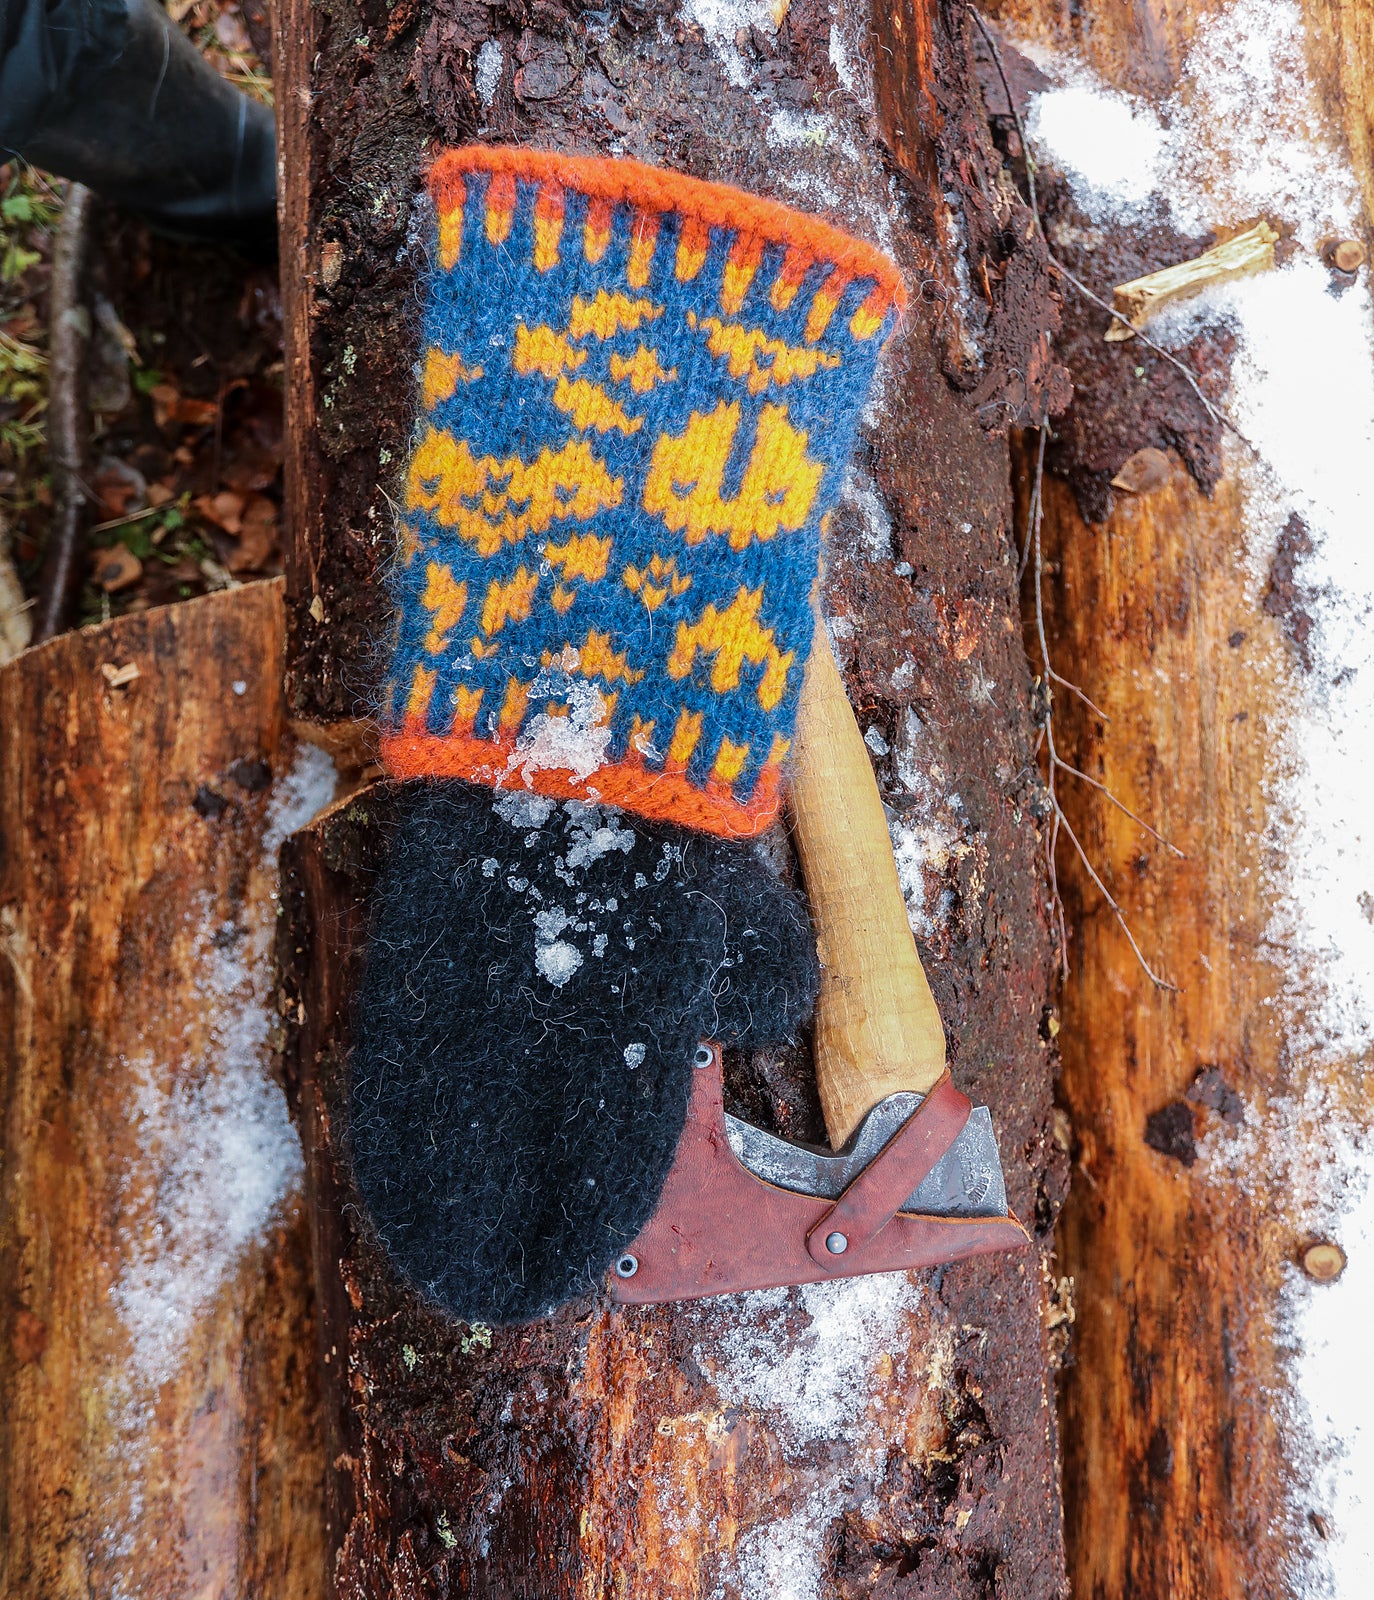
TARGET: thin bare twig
(1033,515)
(69,417)
(1073,688)
(1055,762)
(1140,822)
(992,45)
(1217,415)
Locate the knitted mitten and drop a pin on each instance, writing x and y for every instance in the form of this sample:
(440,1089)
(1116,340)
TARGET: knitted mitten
(639,394)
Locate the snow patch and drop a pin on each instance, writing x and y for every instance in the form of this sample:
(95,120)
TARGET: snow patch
(921,847)
(1331,1324)
(554,958)
(488,70)
(591,837)
(874,520)
(721,20)
(814,1390)
(1242,136)
(1113,147)
(522,808)
(218,1153)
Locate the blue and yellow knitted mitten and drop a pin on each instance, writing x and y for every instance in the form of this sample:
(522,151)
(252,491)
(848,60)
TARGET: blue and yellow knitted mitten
(639,395)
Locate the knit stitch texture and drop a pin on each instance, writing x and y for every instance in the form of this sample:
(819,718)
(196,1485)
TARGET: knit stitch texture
(638,401)
(538,978)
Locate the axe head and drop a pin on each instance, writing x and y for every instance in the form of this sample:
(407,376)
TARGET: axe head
(919,1184)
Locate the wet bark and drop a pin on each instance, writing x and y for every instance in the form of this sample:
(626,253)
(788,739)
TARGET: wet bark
(643,1452)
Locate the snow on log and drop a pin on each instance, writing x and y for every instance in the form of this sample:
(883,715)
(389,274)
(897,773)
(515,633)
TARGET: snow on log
(158,1403)
(1218,1434)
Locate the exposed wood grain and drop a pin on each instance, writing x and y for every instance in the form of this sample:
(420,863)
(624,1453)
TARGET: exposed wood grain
(1173,1464)
(158,1402)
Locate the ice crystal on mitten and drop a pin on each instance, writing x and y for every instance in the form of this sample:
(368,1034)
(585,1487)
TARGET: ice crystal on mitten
(540,975)
(638,396)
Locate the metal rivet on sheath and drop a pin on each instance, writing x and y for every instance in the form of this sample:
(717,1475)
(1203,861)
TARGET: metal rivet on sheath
(704,1056)
(627,1266)
(836,1244)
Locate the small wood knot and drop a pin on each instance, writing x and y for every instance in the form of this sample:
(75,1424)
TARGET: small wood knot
(1347,255)
(1323,1262)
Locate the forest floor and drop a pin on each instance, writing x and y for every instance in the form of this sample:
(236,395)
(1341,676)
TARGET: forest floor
(186,382)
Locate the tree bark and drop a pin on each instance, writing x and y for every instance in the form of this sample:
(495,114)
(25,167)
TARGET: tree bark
(895,1437)
(158,1402)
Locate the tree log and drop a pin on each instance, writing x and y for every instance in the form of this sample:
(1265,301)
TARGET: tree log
(895,1436)
(158,1400)
(1179,1467)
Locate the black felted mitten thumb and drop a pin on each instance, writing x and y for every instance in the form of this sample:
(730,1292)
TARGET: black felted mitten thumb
(539,977)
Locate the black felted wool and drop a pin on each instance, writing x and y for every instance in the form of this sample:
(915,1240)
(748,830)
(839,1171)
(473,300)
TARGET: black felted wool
(538,978)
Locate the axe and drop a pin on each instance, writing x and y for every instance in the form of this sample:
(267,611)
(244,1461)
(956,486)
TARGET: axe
(912,1177)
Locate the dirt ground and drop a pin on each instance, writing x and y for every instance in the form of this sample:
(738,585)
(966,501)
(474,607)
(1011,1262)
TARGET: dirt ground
(186,382)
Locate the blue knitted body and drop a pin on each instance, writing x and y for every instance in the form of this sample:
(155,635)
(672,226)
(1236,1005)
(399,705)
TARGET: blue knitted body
(639,399)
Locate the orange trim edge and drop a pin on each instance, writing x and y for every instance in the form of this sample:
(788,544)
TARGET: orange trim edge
(652,189)
(661,796)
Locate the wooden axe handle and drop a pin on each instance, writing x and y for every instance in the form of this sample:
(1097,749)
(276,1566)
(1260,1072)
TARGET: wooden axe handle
(877,1028)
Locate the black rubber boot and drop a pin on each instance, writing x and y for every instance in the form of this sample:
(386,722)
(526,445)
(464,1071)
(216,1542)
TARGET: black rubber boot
(115,96)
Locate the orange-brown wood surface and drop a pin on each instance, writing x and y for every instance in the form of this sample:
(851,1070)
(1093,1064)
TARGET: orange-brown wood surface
(158,1400)
(1177,1478)
(1174,1467)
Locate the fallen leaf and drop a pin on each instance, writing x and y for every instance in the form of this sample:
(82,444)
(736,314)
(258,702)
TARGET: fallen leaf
(196,413)
(258,538)
(1142,473)
(119,677)
(171,408)
(166,400)
(120,488)
(115,496)
(224,509)
(116,568)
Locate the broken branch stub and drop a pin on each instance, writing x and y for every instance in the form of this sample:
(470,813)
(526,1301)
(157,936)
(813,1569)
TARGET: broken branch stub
(1238,257)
